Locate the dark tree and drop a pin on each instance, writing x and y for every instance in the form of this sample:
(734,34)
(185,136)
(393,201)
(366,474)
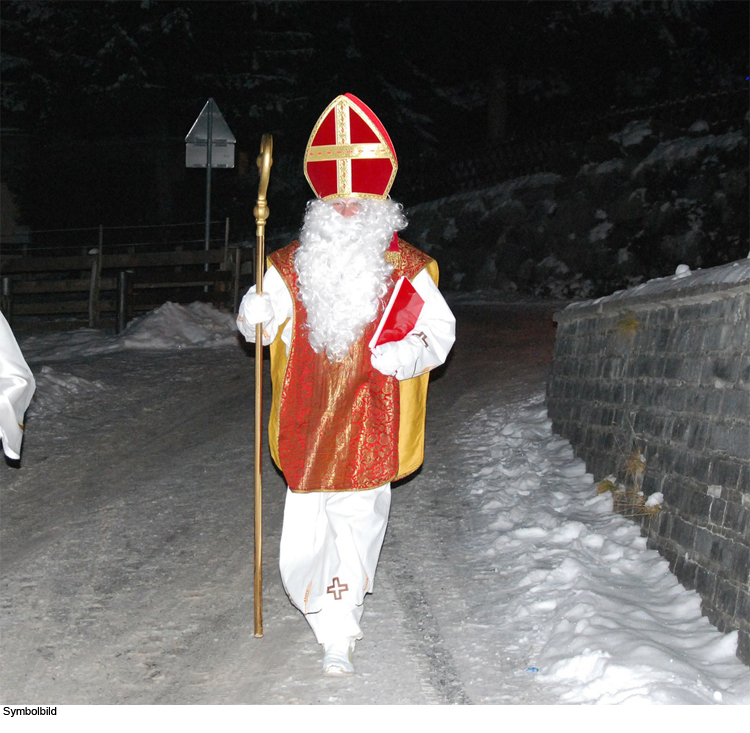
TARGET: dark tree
(104,92)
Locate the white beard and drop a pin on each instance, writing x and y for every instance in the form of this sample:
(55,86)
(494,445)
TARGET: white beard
(342,272)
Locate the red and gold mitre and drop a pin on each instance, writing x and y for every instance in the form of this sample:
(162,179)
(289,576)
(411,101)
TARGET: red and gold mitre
(349,153)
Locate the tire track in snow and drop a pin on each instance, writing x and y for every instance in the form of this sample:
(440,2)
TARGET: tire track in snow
(441,681)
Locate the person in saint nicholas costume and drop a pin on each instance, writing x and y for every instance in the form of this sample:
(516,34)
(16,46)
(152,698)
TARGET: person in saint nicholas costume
(347,417)
(17,387)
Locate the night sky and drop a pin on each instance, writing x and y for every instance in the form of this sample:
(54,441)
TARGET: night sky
(98,96)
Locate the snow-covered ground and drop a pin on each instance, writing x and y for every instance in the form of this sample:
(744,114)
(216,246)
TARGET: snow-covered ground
(505,578)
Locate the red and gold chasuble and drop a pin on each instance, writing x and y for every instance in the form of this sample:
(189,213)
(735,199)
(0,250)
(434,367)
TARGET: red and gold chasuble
(343,426)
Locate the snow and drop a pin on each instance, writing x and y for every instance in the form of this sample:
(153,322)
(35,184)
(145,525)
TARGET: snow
(171,326)
(610,623)
(600,231)
(505,577)
(733,274)
(633,133)
(501,191)
(668,153)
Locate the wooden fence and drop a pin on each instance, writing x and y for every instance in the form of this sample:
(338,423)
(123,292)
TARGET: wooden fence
(101,286)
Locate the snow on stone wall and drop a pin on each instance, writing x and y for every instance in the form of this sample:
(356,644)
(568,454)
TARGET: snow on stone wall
(662,372)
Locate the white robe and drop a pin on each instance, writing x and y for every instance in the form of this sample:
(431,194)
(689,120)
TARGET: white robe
(331,541)
(17,387)
(330,545)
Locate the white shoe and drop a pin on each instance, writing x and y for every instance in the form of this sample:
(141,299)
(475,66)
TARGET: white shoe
(339,657)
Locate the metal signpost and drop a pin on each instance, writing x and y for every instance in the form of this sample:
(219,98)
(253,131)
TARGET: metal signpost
(209,144)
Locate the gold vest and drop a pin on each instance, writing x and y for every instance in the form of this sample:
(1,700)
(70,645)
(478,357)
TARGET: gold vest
(401,414)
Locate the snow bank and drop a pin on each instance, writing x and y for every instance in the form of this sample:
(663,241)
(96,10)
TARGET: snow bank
(174,326)
(171,326)
(600,617)
(55,390)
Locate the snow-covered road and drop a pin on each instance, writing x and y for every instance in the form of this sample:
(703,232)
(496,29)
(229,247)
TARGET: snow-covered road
(504,579)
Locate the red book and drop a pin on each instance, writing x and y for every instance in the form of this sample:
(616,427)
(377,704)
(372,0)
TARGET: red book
(400,314)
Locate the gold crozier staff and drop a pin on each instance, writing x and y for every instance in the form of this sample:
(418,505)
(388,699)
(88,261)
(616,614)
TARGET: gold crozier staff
(261,211)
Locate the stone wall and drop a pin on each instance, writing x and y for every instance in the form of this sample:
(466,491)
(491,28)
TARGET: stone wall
(651,385)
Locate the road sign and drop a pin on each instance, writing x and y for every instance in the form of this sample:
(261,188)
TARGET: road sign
(209,144)
(210,139)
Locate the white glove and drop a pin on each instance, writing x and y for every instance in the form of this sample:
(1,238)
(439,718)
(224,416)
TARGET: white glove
(397,358)
(254,309)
